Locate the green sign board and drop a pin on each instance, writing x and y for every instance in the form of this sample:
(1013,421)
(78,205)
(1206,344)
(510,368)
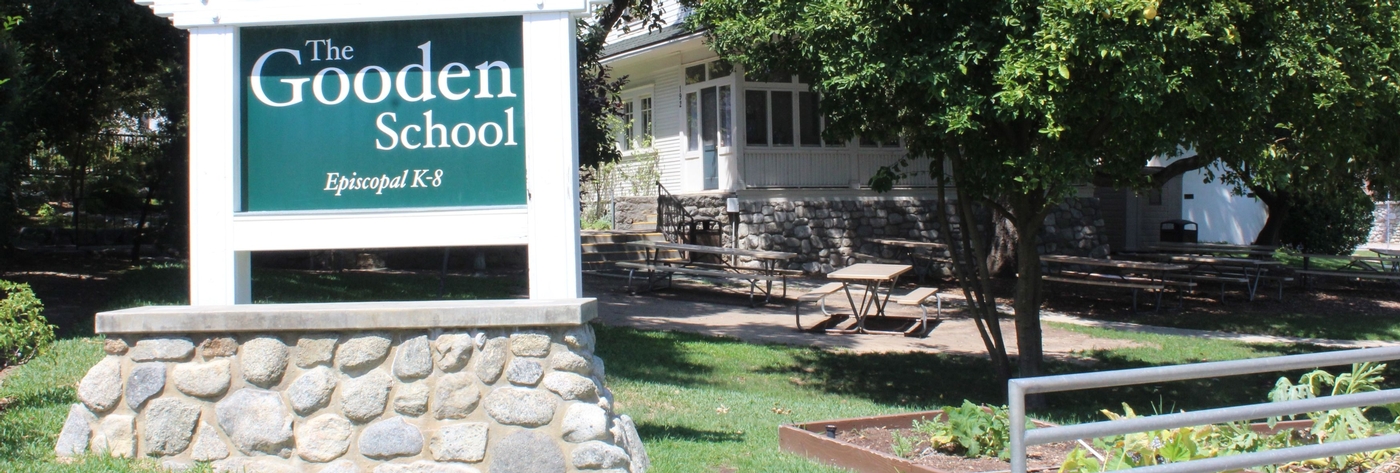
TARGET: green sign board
(391,115)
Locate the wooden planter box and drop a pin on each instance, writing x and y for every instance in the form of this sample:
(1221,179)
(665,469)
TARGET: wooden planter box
(809,440)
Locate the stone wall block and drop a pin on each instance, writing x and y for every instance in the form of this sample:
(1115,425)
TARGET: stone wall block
(253,465)
(625,434)
(524,372)
(391,438)
(312,390)
(524,407)
(218,347)
(598,455)
(145,381)
(526,451)
(162,349)
(532,344)
(341,466)
(424,466)
(584,422)
(492,360)
(101,388)
(571,386)
(364,398)
(256,421)
(581,338)
(362,352)
(315,349)
(116,435)
(452,351)
(323,438)
(456,397)
(115,346)
(264,361)
(169,426)
(208,445)
(464,442)
(77,432)
(414,359)
(203,379)
(412,399)
(565,360)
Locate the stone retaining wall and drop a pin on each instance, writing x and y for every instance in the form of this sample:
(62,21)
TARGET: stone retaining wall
(829,233)
(1386,217)
(498,399)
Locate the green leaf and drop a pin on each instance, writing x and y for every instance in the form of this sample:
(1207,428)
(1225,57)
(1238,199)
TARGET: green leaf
(1064,71)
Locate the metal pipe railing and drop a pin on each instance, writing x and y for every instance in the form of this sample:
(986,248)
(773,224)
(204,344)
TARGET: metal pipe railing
(1017,389)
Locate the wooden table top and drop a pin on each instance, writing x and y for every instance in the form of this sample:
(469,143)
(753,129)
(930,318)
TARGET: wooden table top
(1219,260)
(870,272)
(907,243)
(1213,246)
(718,250)
(1110,263)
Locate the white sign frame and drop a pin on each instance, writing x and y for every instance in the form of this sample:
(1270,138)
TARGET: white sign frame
(222,238)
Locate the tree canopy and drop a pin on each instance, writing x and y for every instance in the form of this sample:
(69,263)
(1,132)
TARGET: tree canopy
(1027,98)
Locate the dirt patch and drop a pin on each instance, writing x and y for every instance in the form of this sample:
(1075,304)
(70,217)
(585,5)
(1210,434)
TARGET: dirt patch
(1038,457)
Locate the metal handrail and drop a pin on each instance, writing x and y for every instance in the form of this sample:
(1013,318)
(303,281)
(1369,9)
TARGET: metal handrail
(672,219)
(1017,389)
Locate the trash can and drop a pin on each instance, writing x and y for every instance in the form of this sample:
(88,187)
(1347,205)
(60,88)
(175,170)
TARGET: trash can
(1178,231)
(706,232)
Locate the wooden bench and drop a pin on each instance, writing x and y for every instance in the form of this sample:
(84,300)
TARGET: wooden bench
(819,296)
(1350,274)
(918,297)
(752,277)
(1156,286)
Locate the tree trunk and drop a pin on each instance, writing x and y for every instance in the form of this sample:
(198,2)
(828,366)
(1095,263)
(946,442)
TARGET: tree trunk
(1030,358)
(1280,205)
(1001,260)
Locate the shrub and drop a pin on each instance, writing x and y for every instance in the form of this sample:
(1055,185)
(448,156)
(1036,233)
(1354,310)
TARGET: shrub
(1328,222)
(23,329)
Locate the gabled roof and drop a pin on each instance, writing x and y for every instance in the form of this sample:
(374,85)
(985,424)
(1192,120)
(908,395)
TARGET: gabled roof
(196,13)
(666,33)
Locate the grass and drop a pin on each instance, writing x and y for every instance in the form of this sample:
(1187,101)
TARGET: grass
(701,403)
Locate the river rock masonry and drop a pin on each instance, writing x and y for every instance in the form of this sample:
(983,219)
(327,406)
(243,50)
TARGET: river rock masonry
(472,386)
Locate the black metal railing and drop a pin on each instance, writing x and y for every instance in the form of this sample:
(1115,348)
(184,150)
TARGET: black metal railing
(672,220)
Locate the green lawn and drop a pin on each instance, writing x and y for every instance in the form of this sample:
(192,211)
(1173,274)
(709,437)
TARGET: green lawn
(702,404)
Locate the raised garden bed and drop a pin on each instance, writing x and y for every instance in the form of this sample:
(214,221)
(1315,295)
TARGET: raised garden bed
(864,444)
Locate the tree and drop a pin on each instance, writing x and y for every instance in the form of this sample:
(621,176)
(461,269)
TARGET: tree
(84,66)
(1024,99)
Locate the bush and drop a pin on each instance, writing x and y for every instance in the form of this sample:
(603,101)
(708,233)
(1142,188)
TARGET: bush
(1327,222)
(23,329)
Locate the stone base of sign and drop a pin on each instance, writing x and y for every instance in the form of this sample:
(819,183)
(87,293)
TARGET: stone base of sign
(488,386)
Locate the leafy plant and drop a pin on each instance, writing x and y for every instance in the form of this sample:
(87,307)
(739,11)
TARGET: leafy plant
(23,329)
(971,430)
(903,446)
(1340,424)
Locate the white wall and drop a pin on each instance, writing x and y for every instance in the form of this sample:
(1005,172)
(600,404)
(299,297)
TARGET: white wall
(1221,215)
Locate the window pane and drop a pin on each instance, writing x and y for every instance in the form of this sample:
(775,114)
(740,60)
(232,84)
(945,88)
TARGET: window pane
(692,121)
(708,112)
(756,117)
(868,143)
(782,118)
(645,118)
(720,69)
(891,143)
(779,76)
(809,121)
(628,130)
(695,74)
(726,125)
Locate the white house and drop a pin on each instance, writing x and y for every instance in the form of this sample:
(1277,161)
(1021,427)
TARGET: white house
(720,131)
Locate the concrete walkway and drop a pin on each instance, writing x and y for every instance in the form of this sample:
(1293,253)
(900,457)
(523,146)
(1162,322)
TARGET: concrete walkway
(723,315)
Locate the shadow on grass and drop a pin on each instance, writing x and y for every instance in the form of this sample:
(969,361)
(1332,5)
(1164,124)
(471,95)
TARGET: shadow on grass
(687,434)
(653,357)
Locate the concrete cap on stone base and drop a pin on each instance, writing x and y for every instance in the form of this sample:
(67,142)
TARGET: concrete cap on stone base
(348,316)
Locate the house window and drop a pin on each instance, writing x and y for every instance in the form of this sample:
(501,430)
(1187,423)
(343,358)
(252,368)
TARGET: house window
(708,71)
(784,118)
(636,123)
(1154,196)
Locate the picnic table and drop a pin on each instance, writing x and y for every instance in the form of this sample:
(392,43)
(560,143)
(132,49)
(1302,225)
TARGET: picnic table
(1385,266)
(1247,271)
(657,269)
(1135,275)
(871,278)
(1214,249)
(909,251)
